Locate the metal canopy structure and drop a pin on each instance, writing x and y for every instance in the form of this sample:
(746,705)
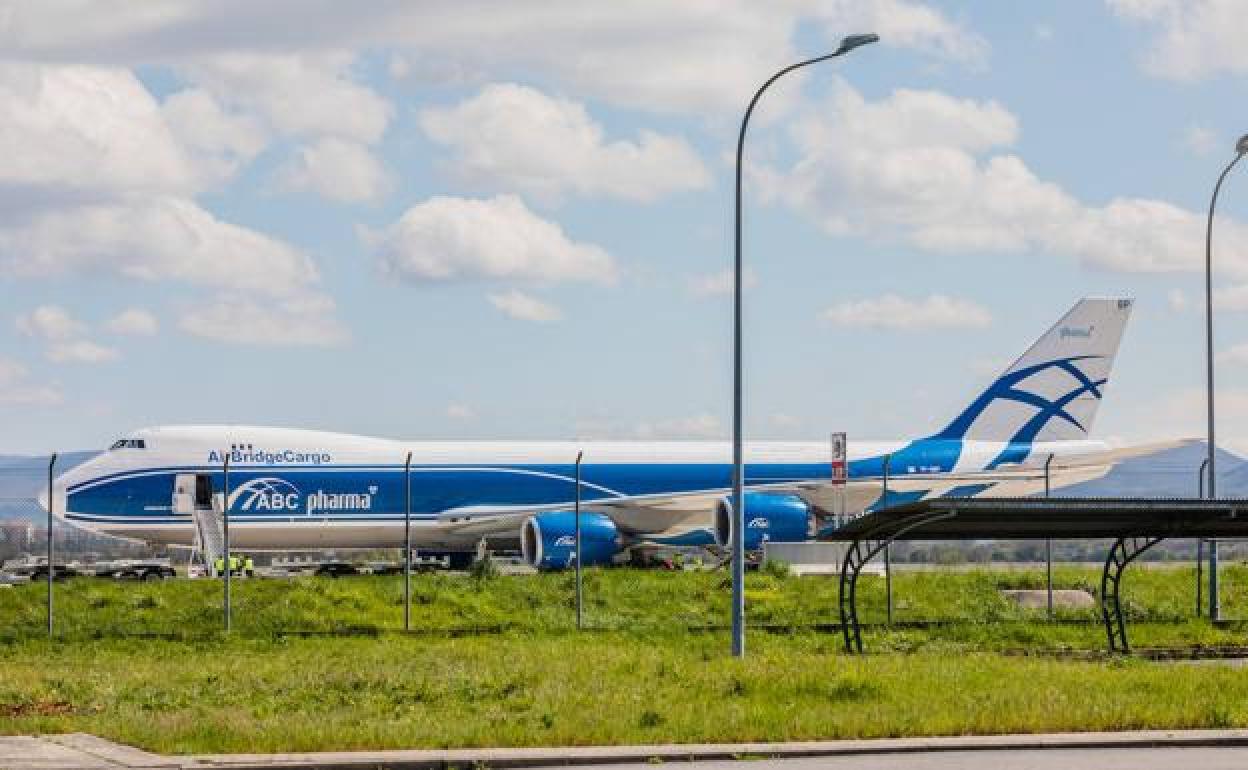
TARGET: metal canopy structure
(1135,525)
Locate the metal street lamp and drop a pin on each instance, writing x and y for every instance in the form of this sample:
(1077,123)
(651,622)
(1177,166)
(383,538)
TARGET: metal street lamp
(1241,148)
(738,461)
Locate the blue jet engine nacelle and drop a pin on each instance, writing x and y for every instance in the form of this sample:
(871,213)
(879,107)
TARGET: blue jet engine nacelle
(548,540)
(769,516)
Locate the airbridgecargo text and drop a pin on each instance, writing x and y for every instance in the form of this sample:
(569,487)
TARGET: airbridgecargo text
(280,457)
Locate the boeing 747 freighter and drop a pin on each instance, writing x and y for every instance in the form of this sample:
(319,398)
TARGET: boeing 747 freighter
(301,489)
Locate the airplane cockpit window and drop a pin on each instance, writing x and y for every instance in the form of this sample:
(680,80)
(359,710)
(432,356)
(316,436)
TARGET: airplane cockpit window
(128,443)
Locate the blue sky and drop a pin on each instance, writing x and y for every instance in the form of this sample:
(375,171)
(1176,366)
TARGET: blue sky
(444,220)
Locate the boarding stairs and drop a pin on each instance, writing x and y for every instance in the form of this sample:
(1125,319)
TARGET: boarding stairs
(210,534)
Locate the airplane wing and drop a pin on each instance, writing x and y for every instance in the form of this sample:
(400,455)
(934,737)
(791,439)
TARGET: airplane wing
(666,516)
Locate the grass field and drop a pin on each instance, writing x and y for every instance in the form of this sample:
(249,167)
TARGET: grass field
(319,664)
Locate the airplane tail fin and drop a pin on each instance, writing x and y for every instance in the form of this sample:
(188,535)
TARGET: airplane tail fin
(1051,393)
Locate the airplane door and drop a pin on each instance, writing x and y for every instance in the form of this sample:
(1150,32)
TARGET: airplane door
(184,494)
(192,492)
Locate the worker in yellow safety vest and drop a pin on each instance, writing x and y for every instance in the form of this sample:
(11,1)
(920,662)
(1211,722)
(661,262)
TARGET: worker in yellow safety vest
(218,566)
(249,567)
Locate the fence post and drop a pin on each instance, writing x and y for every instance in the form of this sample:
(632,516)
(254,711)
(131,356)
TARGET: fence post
(888,549)
(51,520)
(1048,542)
(225,532)
(1200,543)
(407,543)
(1200,576)
(577,516)
(1215,604)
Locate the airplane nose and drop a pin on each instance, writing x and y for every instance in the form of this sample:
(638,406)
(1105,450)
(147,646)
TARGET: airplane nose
(59,485)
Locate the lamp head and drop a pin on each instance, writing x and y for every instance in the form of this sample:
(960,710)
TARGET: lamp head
(854,41)
(1241,146)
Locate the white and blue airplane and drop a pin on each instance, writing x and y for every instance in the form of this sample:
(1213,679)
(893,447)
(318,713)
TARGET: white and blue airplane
(301,489)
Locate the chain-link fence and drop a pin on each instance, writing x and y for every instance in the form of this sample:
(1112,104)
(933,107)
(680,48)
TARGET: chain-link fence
(109,586)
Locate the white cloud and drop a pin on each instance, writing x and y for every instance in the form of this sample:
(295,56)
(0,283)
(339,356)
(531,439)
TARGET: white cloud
(461,239)
(336,169)
(1230,298)
(16,388)
(919,166)
(986,367)
(524,307)
(153,238)
(304,320)
(1182,413)
(302,94)
(97,183)
(85,130)
(133,321)
(685,57)
(50,322)
(219,143)
(460,412)
(1236,354)
(1177,300)
(1200,140)
(720,283)
(911,25)
(785,421)
(398,67)
(893,312)
(1195,38)
(81,352)
(705,426)
(64,335)
(517,138)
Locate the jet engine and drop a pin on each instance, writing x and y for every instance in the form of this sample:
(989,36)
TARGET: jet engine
(548,540)
(769,516)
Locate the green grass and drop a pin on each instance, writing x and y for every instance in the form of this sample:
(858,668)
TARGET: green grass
(499,662)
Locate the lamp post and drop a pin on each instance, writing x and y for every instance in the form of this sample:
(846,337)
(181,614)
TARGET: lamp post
(738,461)
(1241,148)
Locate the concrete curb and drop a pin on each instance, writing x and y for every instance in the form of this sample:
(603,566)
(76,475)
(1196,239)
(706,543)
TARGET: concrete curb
(587,755)
(88,752)
(111,754)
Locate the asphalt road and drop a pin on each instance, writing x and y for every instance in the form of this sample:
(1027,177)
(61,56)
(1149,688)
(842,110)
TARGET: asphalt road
(1046,759)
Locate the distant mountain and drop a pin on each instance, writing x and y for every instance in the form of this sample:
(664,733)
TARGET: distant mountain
(1169,473)
(23,477)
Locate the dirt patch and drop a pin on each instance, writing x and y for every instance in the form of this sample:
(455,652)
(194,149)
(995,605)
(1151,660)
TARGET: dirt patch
(1066,598)
(39,708)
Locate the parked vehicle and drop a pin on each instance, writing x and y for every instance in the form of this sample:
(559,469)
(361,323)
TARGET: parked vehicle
(336,569)
(135,570)
(59,572)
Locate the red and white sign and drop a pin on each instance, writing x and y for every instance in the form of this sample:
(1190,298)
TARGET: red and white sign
(840,459)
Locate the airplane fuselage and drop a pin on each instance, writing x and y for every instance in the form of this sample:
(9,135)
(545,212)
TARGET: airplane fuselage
(291,489)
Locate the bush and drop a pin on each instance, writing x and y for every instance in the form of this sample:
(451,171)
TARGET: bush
(777,568)
(484,569)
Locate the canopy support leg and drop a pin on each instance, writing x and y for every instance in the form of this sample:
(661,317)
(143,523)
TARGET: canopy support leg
(859,552)
(856,557)
(1124,551)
